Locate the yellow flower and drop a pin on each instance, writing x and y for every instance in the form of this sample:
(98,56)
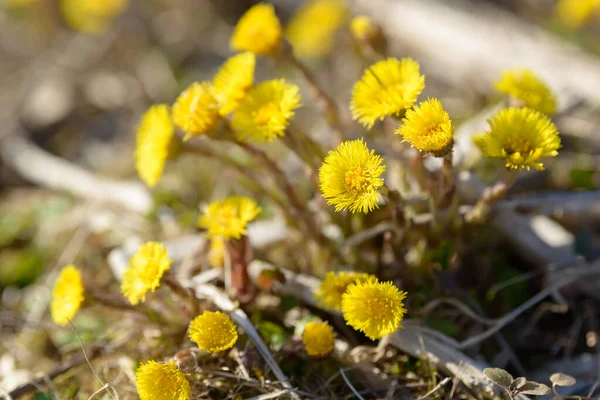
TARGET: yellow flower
(575,13)
(428,128)
(374,308)
(196,110)
(258,31)
(266,111)
(233,80)
(154,135)
(349,177)
(67,295)
(520,136)
(216,254)
(524,85)
(312,29)
(91,16)
(363,28)
(318,339)
(228,218)
(213,332)
(158,381)
(386,88)
(145,269)
(329,294)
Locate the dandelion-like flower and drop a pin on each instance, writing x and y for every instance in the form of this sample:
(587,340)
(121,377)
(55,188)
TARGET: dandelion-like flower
(428,128)
(350,177)
(329,294)
(527,87)
(91,16)
(258,31)
(363,28)
(318,339)
(216,254)
(196,110)
(374,308)
(158,381)
(520,136)
(228,218)
(144,272)
(386,88)
(575,13)
(67,295)
(233,80)
(312,29)
(213,332)
(265,113)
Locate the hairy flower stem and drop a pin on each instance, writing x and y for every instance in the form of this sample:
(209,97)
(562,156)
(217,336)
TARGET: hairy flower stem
(447,185)
(491,195)
(184,293)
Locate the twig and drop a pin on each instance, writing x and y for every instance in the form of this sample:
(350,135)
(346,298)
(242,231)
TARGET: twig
(350,385)
(435,389)
(273,395)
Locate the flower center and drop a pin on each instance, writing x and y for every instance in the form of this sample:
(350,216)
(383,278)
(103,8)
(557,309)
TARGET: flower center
(266,113)
(377,308)
(355,180)
(517,144)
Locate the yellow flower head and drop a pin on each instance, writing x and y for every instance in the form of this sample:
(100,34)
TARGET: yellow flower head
(386,88)
(428,128)
(196,110)
(145,269)
(216,254)
(258,31)
(311,31)
(213,332)
(228,218)
(266,111)
(374,308)
(318,339)
(329,294)
(520,136)
(363,28)
(91,16)
(233,80)
(527,87)
(67,295)
(154,135)
(575,13)
(158,381)
(350,176)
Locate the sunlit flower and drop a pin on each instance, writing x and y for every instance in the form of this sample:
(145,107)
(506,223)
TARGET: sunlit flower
(520,136)
(258,31)
(196,110)
(318,339)
(265,113)
(374,308)
(363,28)
(67,295)
(329,294)
(144,272)
(428,128)
(213,332)
(91,16)
(233,80)
(158,381)
(228,218)
(350,177)
(386,88)
(216,254)
(525,86)
(575,13)
(312,29)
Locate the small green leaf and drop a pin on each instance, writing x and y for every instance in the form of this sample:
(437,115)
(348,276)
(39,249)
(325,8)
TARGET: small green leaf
(560,379)
(517,383)
(534,389)
(499,376)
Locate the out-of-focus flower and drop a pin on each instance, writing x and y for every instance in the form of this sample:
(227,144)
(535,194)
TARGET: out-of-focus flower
(526,86)
(144,272)
(233,80)
(216,254)
(318,339)
(428,128)
(158,381)
(520,136)
(311,31)
(91,16)
(329,294)
(575,13)
(363,28)
(213,332)
(196,110)
(154,136)
(386,88)
(350,176)
(265,113)
(374,308)
(258,31)
(228,218)
(67,295)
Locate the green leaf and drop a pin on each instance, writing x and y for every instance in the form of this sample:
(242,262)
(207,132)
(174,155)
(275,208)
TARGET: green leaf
(560,379)
(499,376)
(534,389)
(518,383)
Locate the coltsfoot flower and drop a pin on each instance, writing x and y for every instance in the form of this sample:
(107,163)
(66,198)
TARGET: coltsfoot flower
(265,113)
(363,28)
(91,16)
(216,254)
(318,339)
(153,140)
(213,332)
(350,177)
(258,31)
(67,295)
(520,136)
(228,218)
(386,88)
(158,381)
(233,80)
(144,272)
(329,294)
(428,128)
(525,86)
(576,13)
(374,308)
(196,110)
